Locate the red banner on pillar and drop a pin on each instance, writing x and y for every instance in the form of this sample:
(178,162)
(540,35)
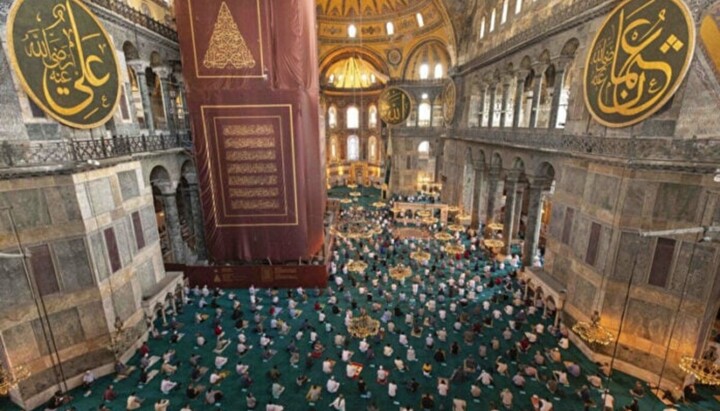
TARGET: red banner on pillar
(250,69)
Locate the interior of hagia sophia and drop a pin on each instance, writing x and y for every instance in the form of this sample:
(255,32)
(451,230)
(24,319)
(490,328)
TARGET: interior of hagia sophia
(360,204)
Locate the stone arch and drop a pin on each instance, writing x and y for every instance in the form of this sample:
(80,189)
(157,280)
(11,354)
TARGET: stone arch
(518,164)
(130,51)
(342,53)
(155,59)
(544,57)
(159,174)
(570,48)
(497,160)
(187,169)
(431,51)
(526,63)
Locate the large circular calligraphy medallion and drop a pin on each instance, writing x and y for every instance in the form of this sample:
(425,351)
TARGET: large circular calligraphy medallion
(449,99)
(65,60)
(394,105)
(638,60)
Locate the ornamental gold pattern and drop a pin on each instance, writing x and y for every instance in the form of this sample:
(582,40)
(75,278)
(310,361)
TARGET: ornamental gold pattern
(227,45)
(394,105)
(252,168)
(239,143)
(251,155)
(253,180)
(637,61)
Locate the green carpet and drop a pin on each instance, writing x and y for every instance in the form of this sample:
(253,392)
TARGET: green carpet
(294,397)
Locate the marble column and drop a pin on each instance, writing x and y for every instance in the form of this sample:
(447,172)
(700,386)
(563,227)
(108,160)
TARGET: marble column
(520,76)
(534,220)
(560,66)
(172,220)
(480,200)
(139,67)
(481,110)
(518,208)
(511,188)
(495,192)
(181,89)
(491,111)
(164,73)
(197,217)
(537,90)
(504,102)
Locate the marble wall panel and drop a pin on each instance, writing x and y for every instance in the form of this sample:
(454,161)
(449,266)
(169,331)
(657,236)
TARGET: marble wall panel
(582,293)
(605,190)
(97,247)
(73,265)
(556,220)
(561,269)
(145,273)
(38,382)
(14,288)
(129,187)
(94,324)
(123,241)
(648,321)
(580,235)
(66,328)
(29,209)
(149,223)
(693,259)
(573,181)
(21,343)
(124,301)
(64,202)
(604,251)
(677,202)
(43,270)
(632,247)
(635,198)
(101,196)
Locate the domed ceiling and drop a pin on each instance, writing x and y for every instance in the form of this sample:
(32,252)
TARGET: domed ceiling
(353,8)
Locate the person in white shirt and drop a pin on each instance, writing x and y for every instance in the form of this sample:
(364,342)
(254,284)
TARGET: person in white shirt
(332,385)
(220,361)
(403,339)
(328,366)
(339,403)
(485,378)
(364,345)
(399,364)
(443,387)
(166,386)
(346,355)
(608,401)
(241,368)
(388,350)
(392,389)
(411,354)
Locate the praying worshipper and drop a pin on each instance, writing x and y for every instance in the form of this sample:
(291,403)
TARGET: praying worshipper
(382,375)
(166,385)
(572,368)
(633,406)
(427,369)
(475,391)
(250,401)
(277,390)
(399,364)
(220,361)
(109,394)
(162,404)
(327,366)
(313,394)
(213,397)
(411,356)
(133,402)
(518,380)
(637,391)
(388,350)
(427,402)
(595,380)
(443,387)
(88,380)
(332,385)
(339,403)
(608,401)
(392,389)
(459,404)
(561,377)
(485,378)
(217,377)
(506,397)
(193,391)
(168,369)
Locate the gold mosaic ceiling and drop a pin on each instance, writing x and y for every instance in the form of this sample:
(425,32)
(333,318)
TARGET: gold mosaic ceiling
(351,9)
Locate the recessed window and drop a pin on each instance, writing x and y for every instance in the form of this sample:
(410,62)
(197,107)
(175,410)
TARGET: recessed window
(424,114)
(518,6)
(420,20)
(332,117)
(424,150)
(372,116)
(482,27)
(352,119)
(352,31)
(353,148)
(503,18)
(492,21)
(438,71)
(424,96)
(424,71)
(390,28)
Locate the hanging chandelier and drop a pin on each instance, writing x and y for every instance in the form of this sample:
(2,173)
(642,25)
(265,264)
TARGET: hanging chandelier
(363,326)
(706,371)
(400,272)
(443,237)
(9,380)
(593,333)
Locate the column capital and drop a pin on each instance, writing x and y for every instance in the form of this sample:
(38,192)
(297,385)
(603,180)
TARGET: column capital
(191,178)
(513,175)
(179,78)
(539,68)
(479,165)
(540,182)
(162,71)
(138,66)
(521,74)
(561,63)
(166,188)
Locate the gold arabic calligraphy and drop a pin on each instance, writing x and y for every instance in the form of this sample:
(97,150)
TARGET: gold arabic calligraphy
(637,60)
(394,106)
(65,60)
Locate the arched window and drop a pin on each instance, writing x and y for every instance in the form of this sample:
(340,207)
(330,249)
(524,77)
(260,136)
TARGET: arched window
(390,28)
(334,148)
(352,118)
(492,21)
(372,116)
(424,150)
(424,114)
(332,117)
(353,148)
(372,149)
(503,17)
(424,71)
(438,71)
(420,20)
(352,31)
(518,6)
(482,27)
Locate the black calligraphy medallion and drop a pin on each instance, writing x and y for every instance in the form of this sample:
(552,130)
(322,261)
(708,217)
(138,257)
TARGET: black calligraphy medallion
(65,60)
(395,105)
(638,60)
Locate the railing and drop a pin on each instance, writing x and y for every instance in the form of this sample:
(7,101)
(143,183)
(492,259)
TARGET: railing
(69,152)
(137,17)
(637,149)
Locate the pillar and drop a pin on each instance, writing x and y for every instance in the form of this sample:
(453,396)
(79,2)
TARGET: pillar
(511,188)
(181,89)
(480,201)
(491,107)
(560,66)
(520,76)
(139,67)
(163,73)
(495,192)
(504,103)
(172,220)
(534,220)
(537,90)
(518,208)
(197,217)
(481,109)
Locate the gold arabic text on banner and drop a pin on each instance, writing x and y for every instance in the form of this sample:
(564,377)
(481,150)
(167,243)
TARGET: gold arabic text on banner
(394,105)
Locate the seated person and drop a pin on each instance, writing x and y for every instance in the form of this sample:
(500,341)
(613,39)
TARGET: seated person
(637,391)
